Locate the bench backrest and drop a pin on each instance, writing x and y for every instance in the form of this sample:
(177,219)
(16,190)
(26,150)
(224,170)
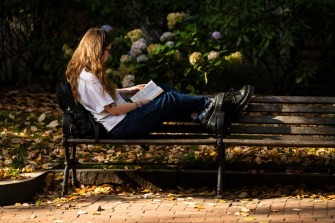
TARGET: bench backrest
(287,115)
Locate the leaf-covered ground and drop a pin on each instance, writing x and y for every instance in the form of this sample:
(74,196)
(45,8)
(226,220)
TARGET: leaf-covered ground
(31,135)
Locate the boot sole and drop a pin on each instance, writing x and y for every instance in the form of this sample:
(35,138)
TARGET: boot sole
(211,124)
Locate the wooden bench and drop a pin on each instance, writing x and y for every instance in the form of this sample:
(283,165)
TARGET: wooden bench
(282,121)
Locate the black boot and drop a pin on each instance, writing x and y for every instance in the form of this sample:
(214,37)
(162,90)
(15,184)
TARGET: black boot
(207,116)
(237,101)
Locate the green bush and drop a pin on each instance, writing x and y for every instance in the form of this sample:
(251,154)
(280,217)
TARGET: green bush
(177,58)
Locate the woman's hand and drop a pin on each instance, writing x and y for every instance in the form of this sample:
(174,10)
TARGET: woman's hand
(136,88)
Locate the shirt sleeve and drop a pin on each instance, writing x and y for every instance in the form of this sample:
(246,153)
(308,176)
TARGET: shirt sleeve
(93,96)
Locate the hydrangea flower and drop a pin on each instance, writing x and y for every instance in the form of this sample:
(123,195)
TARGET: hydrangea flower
(166,36)
(138,47)
(216,35)
(125,59)
(213,55)
(153,48)
(128,81)
(173,19)
(196,58)
(142,59)
(234,59)
(170,43)
(107,28)
(134,35)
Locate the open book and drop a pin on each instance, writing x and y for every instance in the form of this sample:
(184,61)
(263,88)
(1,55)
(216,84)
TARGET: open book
(150,91)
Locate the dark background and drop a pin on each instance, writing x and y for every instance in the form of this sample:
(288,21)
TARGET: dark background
(288,45)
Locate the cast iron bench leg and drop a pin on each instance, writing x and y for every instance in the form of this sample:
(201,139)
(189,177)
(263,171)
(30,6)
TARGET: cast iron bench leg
(220,124)
(74,181)
(221,170)
(70,165)
(66,170)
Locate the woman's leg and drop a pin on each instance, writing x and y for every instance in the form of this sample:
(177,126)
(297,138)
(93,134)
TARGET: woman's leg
(169,104)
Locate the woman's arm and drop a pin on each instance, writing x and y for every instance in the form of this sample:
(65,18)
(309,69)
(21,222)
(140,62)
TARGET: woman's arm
(119,109)
(131,90)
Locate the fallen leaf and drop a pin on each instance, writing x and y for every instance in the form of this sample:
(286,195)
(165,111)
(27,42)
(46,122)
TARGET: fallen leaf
(250,219)
(80,212)
(41,118)
(33,128)
(243,209)
(243,194)
(53,124)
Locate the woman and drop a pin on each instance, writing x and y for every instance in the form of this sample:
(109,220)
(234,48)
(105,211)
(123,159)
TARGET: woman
(122,119)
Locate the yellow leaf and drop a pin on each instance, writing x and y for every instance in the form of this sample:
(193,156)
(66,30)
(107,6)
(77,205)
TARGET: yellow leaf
(39,157)
(223,201)
(199,207)
(148,155)
(171,198)
(146,190)
(213,153)
(250,219)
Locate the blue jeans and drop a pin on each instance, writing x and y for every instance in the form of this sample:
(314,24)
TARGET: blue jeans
(143,120)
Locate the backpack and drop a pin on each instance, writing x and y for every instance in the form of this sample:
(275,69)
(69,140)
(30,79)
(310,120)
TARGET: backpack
(82,123)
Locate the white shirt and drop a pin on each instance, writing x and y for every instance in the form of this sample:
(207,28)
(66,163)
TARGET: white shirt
(93,98)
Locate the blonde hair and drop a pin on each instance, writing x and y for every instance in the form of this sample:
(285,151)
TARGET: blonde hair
(88,56)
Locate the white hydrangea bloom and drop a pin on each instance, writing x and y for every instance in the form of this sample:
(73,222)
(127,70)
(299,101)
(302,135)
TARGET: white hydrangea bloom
(128,81)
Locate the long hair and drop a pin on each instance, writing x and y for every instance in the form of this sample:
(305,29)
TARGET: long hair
(88,56)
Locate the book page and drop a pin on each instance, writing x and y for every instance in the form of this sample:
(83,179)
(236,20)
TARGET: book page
(150,91)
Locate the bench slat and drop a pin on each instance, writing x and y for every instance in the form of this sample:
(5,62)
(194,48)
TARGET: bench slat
(294,99)
(291,108)
(207,141)
(289,141)
(269,119)
(293,130)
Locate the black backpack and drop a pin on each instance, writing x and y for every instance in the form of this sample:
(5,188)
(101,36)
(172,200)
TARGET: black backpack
(82,123)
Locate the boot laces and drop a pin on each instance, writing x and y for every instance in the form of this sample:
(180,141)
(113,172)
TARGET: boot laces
(231,95)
